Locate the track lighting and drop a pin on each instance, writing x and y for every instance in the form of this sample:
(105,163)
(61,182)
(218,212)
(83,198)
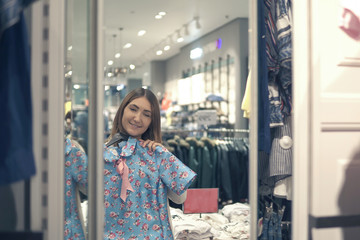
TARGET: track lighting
(186,30)
(197,23)
(175,37)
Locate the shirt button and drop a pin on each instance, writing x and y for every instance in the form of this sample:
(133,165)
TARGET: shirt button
(286,142)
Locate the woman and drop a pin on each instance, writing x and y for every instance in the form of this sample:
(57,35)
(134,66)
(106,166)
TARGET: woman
(139,210)
(140,174)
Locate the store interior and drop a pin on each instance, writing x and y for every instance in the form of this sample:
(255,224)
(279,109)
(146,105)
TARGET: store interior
(194,56)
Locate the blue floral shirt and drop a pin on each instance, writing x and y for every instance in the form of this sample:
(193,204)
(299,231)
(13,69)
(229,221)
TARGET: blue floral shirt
(144,214)
(75,173)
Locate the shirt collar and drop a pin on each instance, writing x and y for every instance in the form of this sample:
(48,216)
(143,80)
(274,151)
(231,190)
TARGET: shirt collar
(124,149)
(129,147)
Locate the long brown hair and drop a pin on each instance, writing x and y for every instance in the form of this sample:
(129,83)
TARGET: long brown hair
(154,130)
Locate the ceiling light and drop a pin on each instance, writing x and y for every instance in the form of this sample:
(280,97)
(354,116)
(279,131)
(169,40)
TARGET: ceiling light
(141,33)
(128,45)
(159,52)
(179,37)
(132,66)
(166,48)
(110,62)
(196,53)
(120,87)
(158,17)
(162,13)
(69,48)
(76,86)
(117,55)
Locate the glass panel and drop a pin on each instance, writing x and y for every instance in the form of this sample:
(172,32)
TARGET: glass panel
(76,118)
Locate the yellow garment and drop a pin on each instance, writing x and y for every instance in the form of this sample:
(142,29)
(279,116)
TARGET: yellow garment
(245,105)
(67,106)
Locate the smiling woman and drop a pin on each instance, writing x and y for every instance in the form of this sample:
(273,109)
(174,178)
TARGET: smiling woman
(139,116)
(139,175)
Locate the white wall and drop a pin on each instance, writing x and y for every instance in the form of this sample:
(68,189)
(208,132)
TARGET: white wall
(327,122)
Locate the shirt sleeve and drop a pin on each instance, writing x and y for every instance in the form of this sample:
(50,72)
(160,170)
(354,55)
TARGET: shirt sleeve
(174,174)
(76,164)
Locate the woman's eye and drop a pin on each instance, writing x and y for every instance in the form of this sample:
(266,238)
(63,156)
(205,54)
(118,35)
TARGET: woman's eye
(133,109)
(147,115)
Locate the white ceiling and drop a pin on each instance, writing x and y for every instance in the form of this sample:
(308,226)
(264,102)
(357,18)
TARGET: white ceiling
(135,15)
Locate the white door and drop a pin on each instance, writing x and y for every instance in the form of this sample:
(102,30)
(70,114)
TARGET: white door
(326,125)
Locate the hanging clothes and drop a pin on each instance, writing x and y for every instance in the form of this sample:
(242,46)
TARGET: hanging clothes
(220,162)
(278,28)
(264,137)
(16,147)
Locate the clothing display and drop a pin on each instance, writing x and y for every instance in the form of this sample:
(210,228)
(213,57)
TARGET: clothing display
(230,222)
(274,112)
(16,147)
(219,163)
(246,102)
(283,188)
(264,138)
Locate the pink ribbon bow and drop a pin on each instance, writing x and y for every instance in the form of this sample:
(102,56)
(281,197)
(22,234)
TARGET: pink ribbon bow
(123,170)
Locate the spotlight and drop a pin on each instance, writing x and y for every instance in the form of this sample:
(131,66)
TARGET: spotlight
(128,45)
(179,38)
(141,33)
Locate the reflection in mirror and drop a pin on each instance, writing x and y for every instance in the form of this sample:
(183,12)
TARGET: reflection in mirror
(174,74)
(193,56)
(76,119)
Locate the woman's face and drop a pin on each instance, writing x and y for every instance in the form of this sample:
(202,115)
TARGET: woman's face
(137,117)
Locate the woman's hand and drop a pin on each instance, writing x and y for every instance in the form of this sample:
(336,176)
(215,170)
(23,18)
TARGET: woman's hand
(150,144)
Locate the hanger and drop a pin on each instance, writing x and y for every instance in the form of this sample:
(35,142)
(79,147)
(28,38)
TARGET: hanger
(118,137)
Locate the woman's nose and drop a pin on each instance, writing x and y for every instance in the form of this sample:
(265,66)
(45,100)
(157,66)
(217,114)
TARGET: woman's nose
(137,117)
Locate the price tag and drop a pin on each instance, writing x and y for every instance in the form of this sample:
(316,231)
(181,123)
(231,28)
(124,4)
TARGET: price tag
(206,117)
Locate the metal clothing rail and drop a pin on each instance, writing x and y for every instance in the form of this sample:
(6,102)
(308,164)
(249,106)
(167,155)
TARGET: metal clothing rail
(219,130)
